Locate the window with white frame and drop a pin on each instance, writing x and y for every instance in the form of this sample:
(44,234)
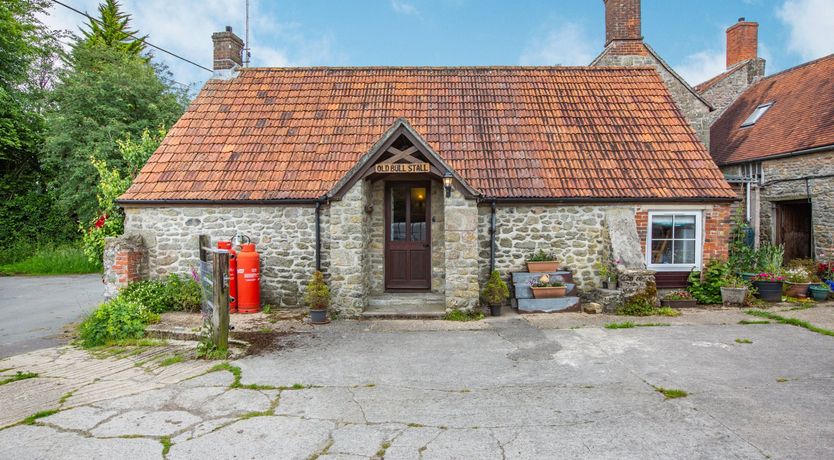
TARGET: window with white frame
(674,240)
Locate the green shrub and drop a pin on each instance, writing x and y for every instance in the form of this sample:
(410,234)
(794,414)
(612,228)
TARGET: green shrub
(706,288)
(317,294)
(496,291)
(174,293)
(637,305)
(117,319)
(463,316)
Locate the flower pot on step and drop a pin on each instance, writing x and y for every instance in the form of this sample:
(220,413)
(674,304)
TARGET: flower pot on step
(543,267)
(798,290)
(549,292)
(819,293)
(679,303)
(747,276)
(769,291)
(733,296)
(318,317)
(495,310)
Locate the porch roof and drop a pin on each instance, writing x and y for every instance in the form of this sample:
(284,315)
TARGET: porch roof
(509,132)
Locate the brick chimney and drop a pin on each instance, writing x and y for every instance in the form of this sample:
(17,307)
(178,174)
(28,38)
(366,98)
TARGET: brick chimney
(622,20)
(228,50)
(742,42)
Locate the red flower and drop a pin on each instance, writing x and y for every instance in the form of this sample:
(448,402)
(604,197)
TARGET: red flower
(100,222)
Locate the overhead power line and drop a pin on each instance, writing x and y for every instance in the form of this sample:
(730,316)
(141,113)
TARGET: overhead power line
(135,37)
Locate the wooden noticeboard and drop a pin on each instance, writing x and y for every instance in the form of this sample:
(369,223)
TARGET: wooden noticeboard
(402,168)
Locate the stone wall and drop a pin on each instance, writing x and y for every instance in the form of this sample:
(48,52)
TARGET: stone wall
(461,233)
(284,236)
(576,234)
(376,248)
(727,90)
(784,180)
(696,112)
(125,261)
(350,237)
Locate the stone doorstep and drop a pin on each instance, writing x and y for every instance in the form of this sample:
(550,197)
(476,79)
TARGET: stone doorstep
(405,306)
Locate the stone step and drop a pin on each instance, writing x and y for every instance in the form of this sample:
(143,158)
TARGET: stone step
(399,301)
(560,304)
(381,314)
(522,288)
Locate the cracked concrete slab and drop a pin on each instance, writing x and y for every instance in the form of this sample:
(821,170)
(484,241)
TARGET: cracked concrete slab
(80,418)
(35,442)
(141,423)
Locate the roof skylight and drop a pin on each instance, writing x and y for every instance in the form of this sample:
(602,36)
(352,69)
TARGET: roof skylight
(756,115)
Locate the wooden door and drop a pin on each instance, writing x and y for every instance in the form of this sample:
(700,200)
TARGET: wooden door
(793,229)
(407,236)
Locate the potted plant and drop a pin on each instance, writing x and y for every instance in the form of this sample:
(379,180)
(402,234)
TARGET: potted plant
(495,293)
(544,288)
(820,292)
(797,281)
(318,298)
(542,262)
(734,291)
(769,286)
(678,299)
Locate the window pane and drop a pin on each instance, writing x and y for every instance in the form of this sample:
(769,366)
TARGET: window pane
(418,214)
(684,227)
(685,252)
(661,252)
(661,227)
(398,198)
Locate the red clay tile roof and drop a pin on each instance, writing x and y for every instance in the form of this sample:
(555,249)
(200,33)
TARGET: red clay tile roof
(544,132)
(802,116)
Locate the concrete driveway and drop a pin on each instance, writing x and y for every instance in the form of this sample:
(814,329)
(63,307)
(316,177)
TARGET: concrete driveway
(505,389)
(34,308)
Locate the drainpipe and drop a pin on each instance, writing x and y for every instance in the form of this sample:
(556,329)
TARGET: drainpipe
(492,239)
(318,234)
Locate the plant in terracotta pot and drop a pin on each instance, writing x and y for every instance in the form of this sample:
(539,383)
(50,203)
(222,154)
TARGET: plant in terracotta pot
(734,291)
(545,288)
(608,273)
(797,282)
(542,262)
(318,298)
(769,286)
(678,299)
(495,293)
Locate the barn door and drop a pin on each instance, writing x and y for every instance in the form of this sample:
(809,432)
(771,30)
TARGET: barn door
(793,228)
(407,236)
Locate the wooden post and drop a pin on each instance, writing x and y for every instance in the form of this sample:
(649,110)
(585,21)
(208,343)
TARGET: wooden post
(221,300)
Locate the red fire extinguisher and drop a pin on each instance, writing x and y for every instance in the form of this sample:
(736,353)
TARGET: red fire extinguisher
(248,279)
(227,245)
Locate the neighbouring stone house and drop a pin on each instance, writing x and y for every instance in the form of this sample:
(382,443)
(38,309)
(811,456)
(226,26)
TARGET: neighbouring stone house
(403,180)
(775,144)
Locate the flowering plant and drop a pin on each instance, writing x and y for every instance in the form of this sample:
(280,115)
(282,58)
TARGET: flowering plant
(608,271)
(544,281)
(797,275)
(768,277)
(678,295)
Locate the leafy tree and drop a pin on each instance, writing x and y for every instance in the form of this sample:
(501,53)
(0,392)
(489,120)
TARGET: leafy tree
(111,30)
(112,184)
(103,96)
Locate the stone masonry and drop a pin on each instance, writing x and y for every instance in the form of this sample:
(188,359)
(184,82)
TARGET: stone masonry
(349,257)
(284,237)
(784,180)
(461,232)
(726,91)
(125,261)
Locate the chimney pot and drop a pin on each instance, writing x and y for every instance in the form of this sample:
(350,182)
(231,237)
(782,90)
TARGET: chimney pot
(228,50)
(742,42)
(622,20)
(741,19)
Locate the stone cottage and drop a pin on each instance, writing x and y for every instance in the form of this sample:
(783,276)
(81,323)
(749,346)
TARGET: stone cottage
(412,183)
(775,143)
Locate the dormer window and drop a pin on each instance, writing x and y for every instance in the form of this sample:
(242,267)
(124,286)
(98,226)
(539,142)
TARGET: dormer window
(758,113)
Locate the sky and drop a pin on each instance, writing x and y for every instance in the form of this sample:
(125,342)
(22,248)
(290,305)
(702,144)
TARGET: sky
(690,35)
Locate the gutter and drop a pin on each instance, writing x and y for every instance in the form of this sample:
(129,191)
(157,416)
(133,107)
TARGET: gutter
(311,201)
(492,231)
(795,153)
(606,200)
(319,202)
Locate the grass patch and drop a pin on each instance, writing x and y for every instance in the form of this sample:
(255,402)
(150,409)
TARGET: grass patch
(671,393)
(30,420)
(782,379)
(790,321)
(257,414)
(667,311)
(166,445)
(171,360)
(19,376)
(744,341)
(66,396)
(462,316)
(52,260)
(629,325)
(415,425)
(754,321)
(381,452)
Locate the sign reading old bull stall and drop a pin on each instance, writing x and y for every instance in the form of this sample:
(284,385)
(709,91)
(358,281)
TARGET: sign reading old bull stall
(402,168)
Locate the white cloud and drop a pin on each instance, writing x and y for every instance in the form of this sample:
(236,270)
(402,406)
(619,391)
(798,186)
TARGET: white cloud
(566,44)
(701,66)
(185,27)
(404,7)
(811,23)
